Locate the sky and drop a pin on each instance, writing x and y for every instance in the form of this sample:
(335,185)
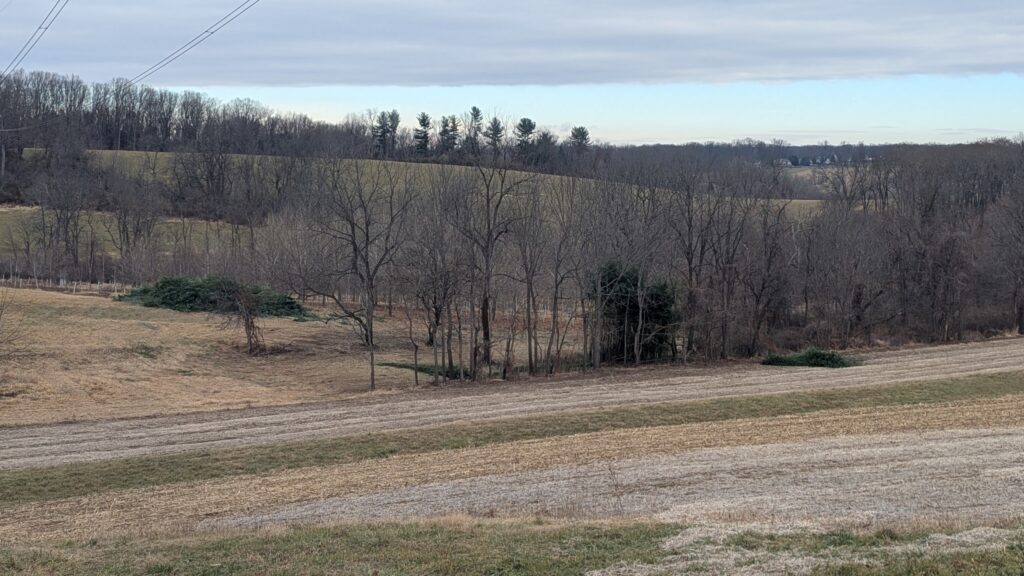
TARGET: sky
(637,72)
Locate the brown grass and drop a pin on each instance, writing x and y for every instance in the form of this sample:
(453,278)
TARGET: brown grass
(40,482)
(183,506)
(89,358)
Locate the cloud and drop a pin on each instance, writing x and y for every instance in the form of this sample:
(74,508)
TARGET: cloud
(530,42)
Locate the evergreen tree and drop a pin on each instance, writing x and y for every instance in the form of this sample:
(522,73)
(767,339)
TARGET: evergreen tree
(524,139)
(385,133)
(381,135)
(393,121)
(545,149)
(627,297)
(474,126)
(579,139)
(421,135)
(448,138)
(494,135)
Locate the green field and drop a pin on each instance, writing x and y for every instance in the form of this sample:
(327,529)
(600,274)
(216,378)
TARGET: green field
(462,547)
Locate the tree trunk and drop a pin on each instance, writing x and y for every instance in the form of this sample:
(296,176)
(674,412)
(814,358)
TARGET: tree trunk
(415,350)
(595,331)
(448,343)
(462,361)
(638,336)
(485,327)
(369,340)
(550,359)
(530,366)
(1020,317)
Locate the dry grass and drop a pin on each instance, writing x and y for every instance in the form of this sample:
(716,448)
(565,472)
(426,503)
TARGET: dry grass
(184,506)
(748,551)
(89,358)
(445,548)
(80,479)
(460,547)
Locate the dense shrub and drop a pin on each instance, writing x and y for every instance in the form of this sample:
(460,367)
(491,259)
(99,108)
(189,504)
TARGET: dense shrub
(211,294)
(450,372)
(812,358)
(617,291)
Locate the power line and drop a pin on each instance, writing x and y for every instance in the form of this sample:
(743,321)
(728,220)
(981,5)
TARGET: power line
(184,49)
(199,39)
(34,39)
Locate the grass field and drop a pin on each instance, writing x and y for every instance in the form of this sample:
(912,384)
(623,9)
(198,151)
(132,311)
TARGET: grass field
(100,226)
(161,165)
(458,547)
(117,360)
(89,478)
(908,463)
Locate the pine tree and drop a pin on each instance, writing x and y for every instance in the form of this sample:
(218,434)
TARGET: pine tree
(545,148)
(524,139)
(579,139)
(421,135)
(494,135)
(448,139)
(393,121)
(381,132)
(474,126)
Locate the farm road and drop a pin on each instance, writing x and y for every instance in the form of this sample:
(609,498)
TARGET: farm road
(959,477)
(49,445)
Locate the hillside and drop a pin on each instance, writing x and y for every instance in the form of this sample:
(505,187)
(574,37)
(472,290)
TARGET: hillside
(672,470)
(100,227)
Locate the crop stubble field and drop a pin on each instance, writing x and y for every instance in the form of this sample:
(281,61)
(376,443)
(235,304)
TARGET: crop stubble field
(696,468)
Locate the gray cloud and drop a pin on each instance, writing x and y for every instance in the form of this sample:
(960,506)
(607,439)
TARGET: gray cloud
(456,42)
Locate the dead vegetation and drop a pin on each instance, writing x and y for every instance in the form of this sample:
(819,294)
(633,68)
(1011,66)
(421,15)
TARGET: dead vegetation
(10,335)
(27,484)
(185,506)
(114,360)
(754,550)
(787,449)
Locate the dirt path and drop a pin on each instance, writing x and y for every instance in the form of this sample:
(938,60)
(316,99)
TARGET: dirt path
(957,478)
(184,506)
(37,446)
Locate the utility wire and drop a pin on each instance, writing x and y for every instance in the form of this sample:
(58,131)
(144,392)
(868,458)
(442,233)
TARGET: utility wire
(199,39)
(34,39)
(184,49)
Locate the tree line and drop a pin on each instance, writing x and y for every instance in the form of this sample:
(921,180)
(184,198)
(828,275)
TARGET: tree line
(501,271)
(40,109)
(669,253)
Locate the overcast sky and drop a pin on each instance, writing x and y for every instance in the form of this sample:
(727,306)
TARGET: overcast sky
(636,71)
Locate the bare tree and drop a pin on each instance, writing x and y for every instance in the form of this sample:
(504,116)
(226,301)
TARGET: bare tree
(1009,238)
(532,244)
(132,197)
(431,268)
(564,210)
(241,306)
(481,210)
(357,223)
(693,207)
(729,229)
(766,275)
